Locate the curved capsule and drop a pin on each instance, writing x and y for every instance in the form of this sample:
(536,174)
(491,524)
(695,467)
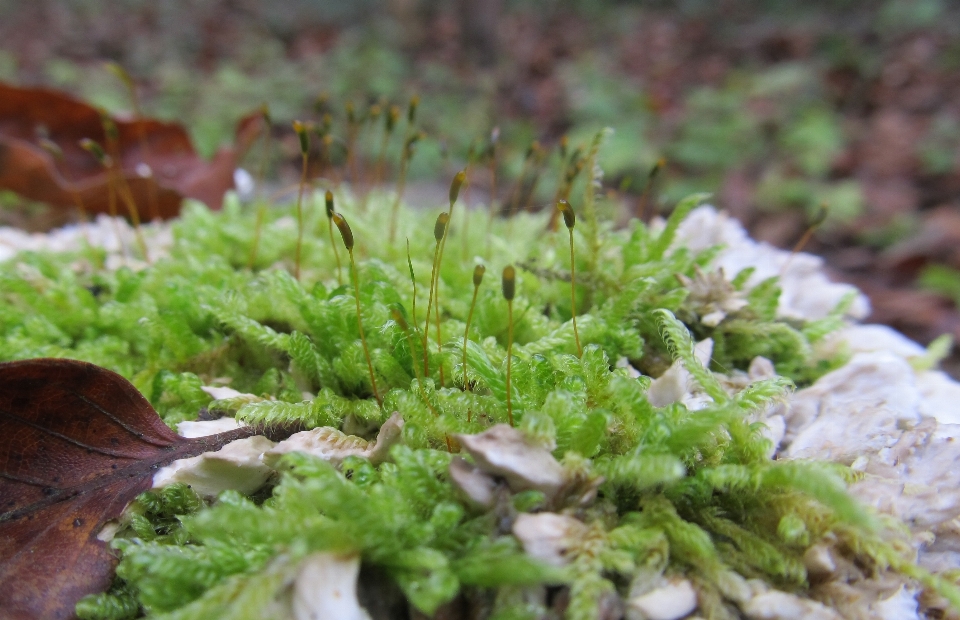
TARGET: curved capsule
(412,109)
(455,186)
(397,313)
(329,201)
(391,119)
(440,228)
(301,130)
(109,127)
(509,282)
(96,150)
(569,217)
(478,272)
(822,213)
(345,231)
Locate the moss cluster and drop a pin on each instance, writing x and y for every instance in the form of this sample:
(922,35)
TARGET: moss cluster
(681,491)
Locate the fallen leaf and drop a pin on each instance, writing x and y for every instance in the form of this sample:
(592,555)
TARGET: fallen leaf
(41,159)
(77,443)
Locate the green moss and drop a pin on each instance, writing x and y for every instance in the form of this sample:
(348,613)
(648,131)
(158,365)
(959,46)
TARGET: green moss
(678,490)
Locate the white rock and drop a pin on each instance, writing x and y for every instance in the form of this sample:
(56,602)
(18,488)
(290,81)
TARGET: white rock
(918,479)
(858,408)
(671,601)
(101,232)
(326,588)
(235,466)
(547,536)
(191,429)
(221,393)
(739,590)
(477,486)
(901,605)
(807,293)
(818,560)
(332,445)
(109,530)
(760,369)
(623,362)
(895,424)
(870,339)
(504,451)
(776,605)
(678,385)
(939,396)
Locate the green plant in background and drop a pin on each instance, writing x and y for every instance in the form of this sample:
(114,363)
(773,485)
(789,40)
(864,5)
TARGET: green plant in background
(659,489)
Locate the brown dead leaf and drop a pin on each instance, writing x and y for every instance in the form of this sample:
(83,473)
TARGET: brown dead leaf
(77,443)
(29,117)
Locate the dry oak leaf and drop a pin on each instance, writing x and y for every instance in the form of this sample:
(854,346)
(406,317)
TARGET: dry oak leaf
(41,158)
(77,443)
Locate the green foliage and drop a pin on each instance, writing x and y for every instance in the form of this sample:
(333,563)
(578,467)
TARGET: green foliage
(676,489)
(678,340)
(120,603)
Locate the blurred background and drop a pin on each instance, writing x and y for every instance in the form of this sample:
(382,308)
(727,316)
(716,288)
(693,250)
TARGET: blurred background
(774,106)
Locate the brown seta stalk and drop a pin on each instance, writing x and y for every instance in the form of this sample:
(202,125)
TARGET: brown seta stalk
(439,230)
(304,154)
(347,235)
(478,272)
(115,169)
(455,185)
(570,220)
(336,253)
(131,87)
(571,170)
(104,160)
(56,152)
(815,223)
(408,146)
(509,284)
(413,282)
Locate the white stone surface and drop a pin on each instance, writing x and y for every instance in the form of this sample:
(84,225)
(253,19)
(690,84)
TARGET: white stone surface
(776,605)
(504,451)
(101,232)
(902,605)
(678,385)
(333,445)
(221,393)
(857,408)
(807,292)
(326,588)
(547,536)
(479,488)
(671,601)
(235,466)
(858,338)
(939,396)
(191,429)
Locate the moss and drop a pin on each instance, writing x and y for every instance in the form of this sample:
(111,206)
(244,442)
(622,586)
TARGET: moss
(682,490)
